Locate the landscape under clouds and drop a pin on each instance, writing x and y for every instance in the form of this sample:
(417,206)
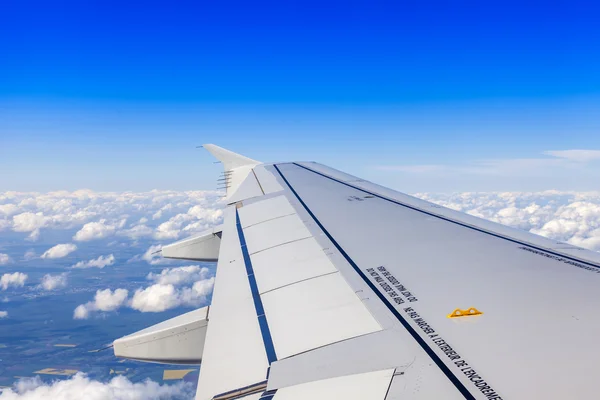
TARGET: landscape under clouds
(79,269)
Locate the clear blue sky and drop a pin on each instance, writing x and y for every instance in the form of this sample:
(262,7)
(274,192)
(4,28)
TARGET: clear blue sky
(420,96)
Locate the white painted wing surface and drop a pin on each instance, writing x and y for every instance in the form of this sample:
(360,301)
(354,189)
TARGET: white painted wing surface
(329,286)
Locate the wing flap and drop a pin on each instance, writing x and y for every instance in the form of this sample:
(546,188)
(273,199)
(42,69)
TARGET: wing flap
(275,232)
(265,210)
(371,385)
(290,263)
(314,313)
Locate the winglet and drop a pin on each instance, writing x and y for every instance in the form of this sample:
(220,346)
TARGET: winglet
(236,166)
(229,159)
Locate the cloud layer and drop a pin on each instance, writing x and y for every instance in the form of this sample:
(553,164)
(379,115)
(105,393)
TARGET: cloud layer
(159,215)
(82,387)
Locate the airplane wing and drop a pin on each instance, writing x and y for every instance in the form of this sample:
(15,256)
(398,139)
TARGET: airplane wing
(332,287)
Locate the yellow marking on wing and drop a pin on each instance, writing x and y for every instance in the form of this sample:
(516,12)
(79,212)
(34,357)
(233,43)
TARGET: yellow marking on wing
(464,313)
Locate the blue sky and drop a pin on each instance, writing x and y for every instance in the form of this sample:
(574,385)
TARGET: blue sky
(419,96)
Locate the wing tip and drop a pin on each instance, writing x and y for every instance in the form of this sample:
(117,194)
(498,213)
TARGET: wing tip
(229,159)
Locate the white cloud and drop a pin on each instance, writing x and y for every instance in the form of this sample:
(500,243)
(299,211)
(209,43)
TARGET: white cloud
(166,293)
(52,282)
(82,311)
(179,275)
(29,222)
(4,259)
(8,209)
(196,219)
(59,251)
(99,262)
(171,228)
(16,279)
(159,213)
(575,155)
(155,298)
(3,314)
(104,300)
(81,387)
(161,297)
(95,230)
(137,232)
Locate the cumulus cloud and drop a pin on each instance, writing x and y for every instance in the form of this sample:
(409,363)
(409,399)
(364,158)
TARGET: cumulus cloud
(3,314)
(179,275)
(160,297)
(104,300)
(29,222)
(59,251)
(16,279)
(159,213)
(4,259)
(170,289)
(53,282)
(155,298)
(137,232)
(99,262)
(81,387)
(8,209)
(29,255)
(95,230)
(196,219)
